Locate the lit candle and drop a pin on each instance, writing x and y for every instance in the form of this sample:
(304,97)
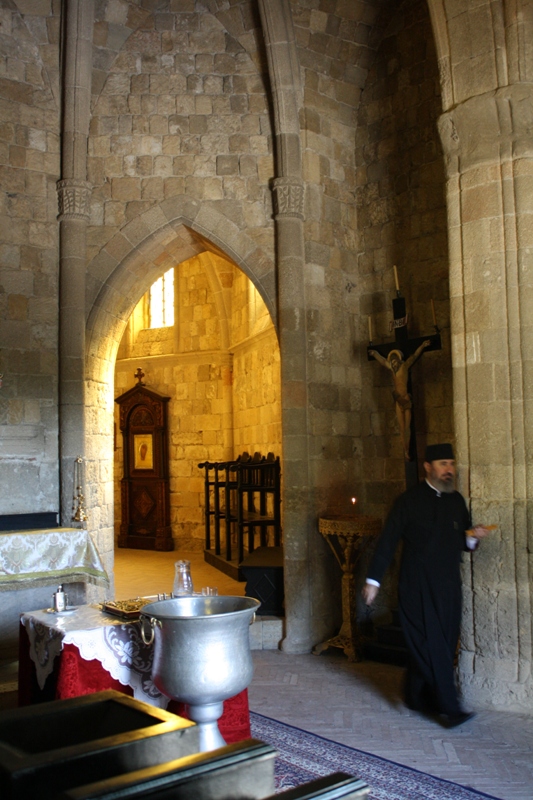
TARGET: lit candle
(396,278)
(433,312)
(354,500)
(370,329)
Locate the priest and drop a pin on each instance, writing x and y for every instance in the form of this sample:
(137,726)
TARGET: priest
(433,522)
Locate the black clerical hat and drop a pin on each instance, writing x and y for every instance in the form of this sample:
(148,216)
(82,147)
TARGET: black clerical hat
(439,452)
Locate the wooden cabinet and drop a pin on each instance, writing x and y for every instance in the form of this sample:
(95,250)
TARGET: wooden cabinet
(145,494)
(242,509)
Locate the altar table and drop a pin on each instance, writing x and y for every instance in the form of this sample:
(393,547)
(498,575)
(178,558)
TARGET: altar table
(32,565)
(34,558)
(88,651)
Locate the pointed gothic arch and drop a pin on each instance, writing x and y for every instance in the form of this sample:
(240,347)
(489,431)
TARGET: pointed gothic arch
(160,238)
(168,239)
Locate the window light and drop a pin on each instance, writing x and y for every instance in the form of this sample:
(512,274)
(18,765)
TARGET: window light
(162,301)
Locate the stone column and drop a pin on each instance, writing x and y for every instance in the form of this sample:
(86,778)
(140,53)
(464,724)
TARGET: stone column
(74,198)
(299,519)
(489,155)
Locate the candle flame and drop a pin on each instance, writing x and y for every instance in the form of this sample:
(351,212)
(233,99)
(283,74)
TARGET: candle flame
(354,500)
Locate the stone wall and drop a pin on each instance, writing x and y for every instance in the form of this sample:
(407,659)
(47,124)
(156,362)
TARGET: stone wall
(402,221)
(29,168)
(183,111)
(333,52)
(256,373)
(490,210)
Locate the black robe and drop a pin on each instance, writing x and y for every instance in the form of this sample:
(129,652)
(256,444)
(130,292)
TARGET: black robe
(432,527)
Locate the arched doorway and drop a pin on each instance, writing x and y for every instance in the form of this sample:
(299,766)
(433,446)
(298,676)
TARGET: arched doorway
(218,361)
(235,275)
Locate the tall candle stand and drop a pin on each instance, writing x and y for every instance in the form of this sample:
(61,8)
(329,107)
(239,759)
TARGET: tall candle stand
(348,535)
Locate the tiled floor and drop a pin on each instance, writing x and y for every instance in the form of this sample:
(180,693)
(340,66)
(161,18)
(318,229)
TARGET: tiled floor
(355,704)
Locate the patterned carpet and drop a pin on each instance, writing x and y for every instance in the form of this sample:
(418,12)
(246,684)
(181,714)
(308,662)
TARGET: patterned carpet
(304,756)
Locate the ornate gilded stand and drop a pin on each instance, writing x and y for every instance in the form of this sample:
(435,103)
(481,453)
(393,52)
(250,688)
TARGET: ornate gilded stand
(347,535)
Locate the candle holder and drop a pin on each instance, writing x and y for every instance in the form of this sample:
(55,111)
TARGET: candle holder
(348,535)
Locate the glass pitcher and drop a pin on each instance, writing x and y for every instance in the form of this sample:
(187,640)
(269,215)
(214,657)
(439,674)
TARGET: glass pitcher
(182,579)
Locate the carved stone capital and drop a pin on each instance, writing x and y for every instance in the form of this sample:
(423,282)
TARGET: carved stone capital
(74,198)
(288,197)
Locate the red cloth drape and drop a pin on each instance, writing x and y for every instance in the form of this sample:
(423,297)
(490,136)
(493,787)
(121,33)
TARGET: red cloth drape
(72,677)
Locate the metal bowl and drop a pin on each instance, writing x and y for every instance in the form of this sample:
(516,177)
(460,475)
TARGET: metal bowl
(202,652)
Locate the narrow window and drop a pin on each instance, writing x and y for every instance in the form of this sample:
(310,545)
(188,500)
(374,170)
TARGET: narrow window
(162,301)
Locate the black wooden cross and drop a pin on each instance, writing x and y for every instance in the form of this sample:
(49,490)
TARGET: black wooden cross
(408,347)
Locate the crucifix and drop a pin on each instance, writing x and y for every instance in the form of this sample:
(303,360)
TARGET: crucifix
(399,356)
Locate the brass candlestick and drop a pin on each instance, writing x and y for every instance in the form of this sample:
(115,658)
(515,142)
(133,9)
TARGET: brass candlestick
(79,513)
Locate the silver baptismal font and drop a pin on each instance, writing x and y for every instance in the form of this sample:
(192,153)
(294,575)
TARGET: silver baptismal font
(201,654)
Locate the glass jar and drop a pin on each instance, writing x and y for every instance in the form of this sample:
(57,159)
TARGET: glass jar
(182,579)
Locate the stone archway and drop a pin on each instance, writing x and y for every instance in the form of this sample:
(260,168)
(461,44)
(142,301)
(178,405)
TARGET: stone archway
(167,242)
(219,365)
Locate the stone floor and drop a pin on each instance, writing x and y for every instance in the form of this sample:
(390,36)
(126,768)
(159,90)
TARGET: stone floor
(359,705)
(356,704)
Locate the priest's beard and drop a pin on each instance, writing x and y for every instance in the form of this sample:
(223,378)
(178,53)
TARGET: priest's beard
(445,485)
(441,478)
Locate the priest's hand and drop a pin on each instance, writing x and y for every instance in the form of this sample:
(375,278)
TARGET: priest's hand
(370,592)
(480,531)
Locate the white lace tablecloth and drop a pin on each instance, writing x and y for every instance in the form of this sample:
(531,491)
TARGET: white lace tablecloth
(117,645)
(38,557)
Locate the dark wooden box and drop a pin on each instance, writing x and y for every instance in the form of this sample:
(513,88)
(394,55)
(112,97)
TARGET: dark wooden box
(241,770)
(50,747)
(263,572)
